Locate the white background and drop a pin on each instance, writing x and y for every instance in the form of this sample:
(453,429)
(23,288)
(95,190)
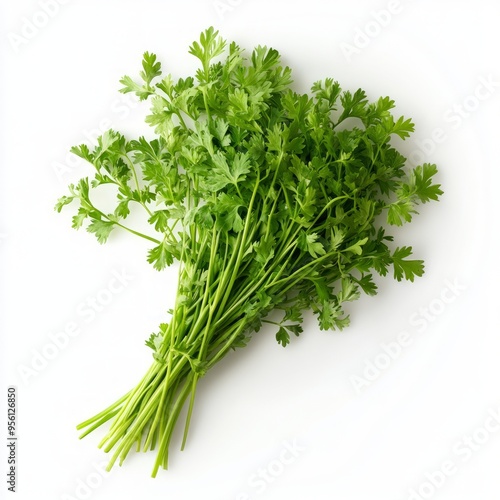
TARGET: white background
(60,83)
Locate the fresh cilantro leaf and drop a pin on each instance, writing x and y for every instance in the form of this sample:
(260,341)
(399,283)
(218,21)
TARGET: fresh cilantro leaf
(367,284)
(294,313)
(161,256)
(406,268)
(101,229)
(349,291)
(400,212)
(61,202)
(79,218)
(419,188)
(227,213)
(224,173)
(330,317)
(336,237)
(357,247)
(122,210)
(209,46)
(139,90)
(309,243)
(151,68)
(264,250)
(283,337)
(154,342)
(403,128)
(424,189)
(355,105)
(295,329)
(83,152)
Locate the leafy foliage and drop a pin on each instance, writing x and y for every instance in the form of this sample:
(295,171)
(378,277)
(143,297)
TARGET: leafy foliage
(269,199)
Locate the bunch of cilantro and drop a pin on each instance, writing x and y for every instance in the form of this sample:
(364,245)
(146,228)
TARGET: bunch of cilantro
(268,199)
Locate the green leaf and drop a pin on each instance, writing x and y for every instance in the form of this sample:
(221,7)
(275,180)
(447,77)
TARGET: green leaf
(329,91)
(400,212)
(130,86)
(336,237)
(63,201)
(79,218)
(283,337)
(424,188)
(349,291)
(293,313)
(219,129)
(122,210)
(383,106)
(357,247)
(160,220)
(295,329)
(204,217)
(167,85)
(240,167)
(83,152)
(403,128)
(330,316)
(355,105)
(101,229)
(223,174)
(210,46)
(161,256)
(418,188)
(406,268)
(322,288)
(367,284)
(264,250)
(227,213)
(309,243)
(151,67)
(155,340)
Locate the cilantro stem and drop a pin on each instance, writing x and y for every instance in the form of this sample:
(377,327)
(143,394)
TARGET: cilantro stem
(133,231)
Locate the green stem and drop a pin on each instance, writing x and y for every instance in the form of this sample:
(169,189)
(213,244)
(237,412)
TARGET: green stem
(137,233)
